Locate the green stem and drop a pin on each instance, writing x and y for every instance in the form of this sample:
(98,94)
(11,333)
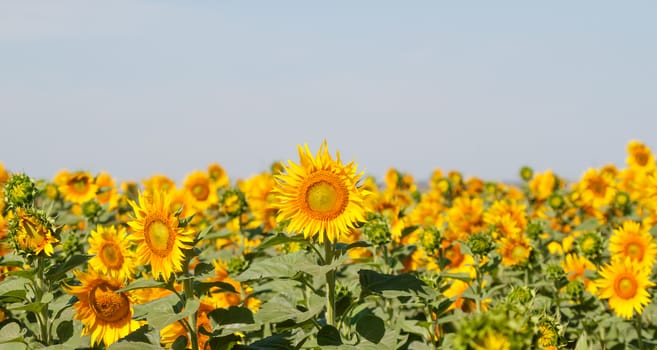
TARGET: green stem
(330,282)
(479,282)
(189,294)
(637,325)
(40,290)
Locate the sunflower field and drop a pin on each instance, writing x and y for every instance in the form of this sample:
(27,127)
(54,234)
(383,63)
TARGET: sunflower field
(313,254)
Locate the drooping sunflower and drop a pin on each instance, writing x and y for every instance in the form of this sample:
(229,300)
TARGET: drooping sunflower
(107,191)
(633,240)
(320,195)
(78,187)
(624,284)
(111,248)
(159,238)
(106,315)
(31,232)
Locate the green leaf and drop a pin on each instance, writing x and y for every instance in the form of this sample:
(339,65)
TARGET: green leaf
(203,287)
(65,330)
(10,331)
(232,315)
(13,346)
(203,268)
(582,342)
(203,235)
(281,238)
(346,247)
(56,272)
(141,284)
(31,307)
(162,315)
(590,224)
(465,277)
(329,335)
(275,342)
(286,265)
(374,282)
(133,345)
(371,328)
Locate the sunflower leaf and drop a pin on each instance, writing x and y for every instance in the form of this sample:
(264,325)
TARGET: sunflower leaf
(141,284)
(56,272)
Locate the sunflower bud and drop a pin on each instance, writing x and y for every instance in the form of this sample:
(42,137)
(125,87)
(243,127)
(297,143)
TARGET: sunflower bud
(91,209)
(520,295)
(431,238)
(622,200)
(480,243)
(535,229)
(526,173)
(233,202)
(555,272)
(590,245)
(377,229)
(555,201)
(575,289)
(20,191)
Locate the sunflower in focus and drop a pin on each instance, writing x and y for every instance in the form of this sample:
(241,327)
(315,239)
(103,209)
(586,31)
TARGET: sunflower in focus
(106,315)
(320,195)
(78,187)
(113,256)
(624,284)
(632,240)
(160,241)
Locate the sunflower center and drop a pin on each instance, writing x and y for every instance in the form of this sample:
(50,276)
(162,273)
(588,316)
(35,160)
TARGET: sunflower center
(200,192)
(79,184)
(107,305)
(159,238)
(110,255)
(598,186)
(641,158)
(519,253)
(626,287)
(634,251)
(326,196)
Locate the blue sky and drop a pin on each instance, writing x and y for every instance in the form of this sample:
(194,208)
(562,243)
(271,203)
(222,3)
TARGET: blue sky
(143,87)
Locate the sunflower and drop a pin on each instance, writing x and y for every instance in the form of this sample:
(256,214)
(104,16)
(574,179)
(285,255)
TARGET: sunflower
(543,184)
(633,240)
(107,191)
(624,284)
(158,183)
(218,175)
(575,267)
(32,232)
(106,315)
(113,256)
(515,250)
(78,187)
(596,188)
(640,156)
(202,192)
(4,175)
(320,195)
(160,241)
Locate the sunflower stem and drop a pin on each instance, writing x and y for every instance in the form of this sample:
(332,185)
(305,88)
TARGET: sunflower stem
(42,315)
(189,294)
(330,282)
(637,325)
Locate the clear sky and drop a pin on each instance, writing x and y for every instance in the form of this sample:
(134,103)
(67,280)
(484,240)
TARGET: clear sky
(143,87)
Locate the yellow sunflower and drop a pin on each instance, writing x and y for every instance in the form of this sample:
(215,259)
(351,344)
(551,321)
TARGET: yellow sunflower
(106,315)
(202,192)
(632,240)
(160,241)
(575,267)
(107,191)
(157,183)
(624,284)
(78,187)
(514,250)
(4,175)
(639,156)
(218,175)
(320,195)
(113,256)
(32,233)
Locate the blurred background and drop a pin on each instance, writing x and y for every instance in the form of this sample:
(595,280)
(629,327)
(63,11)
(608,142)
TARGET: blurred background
(137,88)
